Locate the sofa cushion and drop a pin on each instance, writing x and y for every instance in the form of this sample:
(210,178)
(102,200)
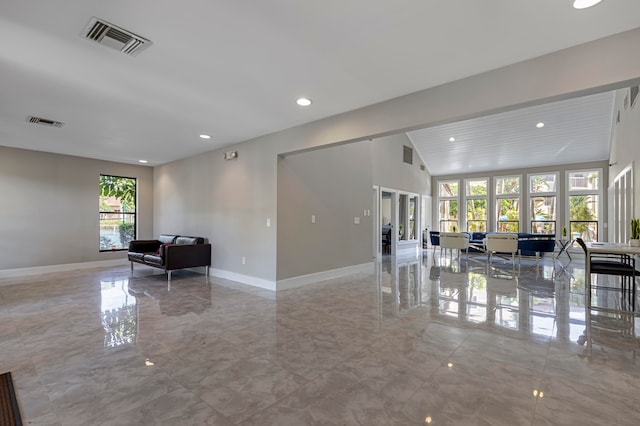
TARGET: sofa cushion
(189,240)
(133,255)
(153,258)
(166,238)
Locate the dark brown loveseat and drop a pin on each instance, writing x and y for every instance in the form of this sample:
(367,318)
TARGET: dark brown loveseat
(171,252)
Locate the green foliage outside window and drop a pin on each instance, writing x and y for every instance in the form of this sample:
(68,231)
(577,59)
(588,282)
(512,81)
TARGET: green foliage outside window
(117,209)
(124,189)
(477,215)
(583,216)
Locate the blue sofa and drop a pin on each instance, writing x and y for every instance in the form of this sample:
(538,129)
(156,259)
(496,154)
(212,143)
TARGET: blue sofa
(528,244)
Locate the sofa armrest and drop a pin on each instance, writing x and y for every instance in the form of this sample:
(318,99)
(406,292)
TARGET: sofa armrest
(144,246)
(178,256)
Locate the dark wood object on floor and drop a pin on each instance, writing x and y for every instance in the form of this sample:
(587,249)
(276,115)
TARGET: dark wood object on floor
(9,410)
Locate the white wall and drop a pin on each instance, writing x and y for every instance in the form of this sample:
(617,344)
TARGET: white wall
(229,202)
(334,185)
(49,213)
(244,195)
(390,171)
(625,143)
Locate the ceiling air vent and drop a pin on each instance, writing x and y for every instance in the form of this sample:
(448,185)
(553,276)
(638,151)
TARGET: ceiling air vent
(44,121)
(117,38)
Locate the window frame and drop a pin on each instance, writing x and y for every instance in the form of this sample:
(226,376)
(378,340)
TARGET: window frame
(445,198)
(472,197)
(531,194)
(578,192)
(497,197)
(133,214)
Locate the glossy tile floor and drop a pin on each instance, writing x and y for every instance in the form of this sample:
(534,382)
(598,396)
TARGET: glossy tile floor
(430,341)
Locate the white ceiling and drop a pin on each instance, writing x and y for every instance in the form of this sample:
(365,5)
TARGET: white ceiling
(233,68)
(575,131)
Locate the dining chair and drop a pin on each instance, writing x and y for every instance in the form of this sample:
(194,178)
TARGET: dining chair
(386,240)
(622,265)
(434,237)
(502,243)
(454,241)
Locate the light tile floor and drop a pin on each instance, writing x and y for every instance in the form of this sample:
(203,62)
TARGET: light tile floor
(430,341)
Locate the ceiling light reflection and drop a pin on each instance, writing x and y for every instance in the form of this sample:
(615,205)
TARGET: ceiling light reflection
(583,4)
(303,102)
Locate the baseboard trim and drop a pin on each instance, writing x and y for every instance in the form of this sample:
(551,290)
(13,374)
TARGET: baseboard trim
(244,279)
(36,270)
(323,276)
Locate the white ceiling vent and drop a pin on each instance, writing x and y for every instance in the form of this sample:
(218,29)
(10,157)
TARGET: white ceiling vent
(117,38)
(44,121)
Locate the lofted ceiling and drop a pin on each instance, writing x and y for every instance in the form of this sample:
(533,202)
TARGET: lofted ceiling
(575,130)
(234,68)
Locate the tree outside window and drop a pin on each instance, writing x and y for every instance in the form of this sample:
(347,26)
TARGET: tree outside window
(448,192)
(542,203)
(508,203)
(117,211)
(476,195)
(584,207)
(583,216)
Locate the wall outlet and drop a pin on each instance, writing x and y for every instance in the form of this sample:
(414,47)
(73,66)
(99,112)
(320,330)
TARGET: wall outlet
(313,218)
(356,220)
(268,222)
(244,260)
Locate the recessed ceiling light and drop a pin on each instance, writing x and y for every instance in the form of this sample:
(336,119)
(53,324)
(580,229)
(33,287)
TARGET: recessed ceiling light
(303,102)
(452,139)
(205,136)
(540,125)
(583,4)
(143,161)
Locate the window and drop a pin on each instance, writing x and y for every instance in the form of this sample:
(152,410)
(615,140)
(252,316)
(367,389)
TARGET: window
(584,203)
(117,210)
(407,209)
(413,201)
(508,203)
(476,197)
(543,202)
(448,205)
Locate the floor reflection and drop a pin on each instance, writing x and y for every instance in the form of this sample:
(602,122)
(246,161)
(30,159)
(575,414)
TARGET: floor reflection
(453,341)
(610,337)
(543,298)
(118,313)
(178,297)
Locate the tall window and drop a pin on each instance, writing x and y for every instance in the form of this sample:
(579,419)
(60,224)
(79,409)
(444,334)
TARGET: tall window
(413,202)
(542,202)
(117,201)
(508,203)
(584,203)
(407,210)
(448,192)
(476,197)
